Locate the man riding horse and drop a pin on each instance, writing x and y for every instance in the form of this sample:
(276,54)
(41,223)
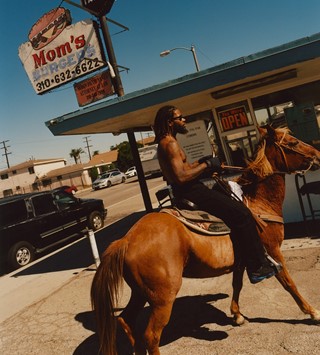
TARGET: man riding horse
(184,177)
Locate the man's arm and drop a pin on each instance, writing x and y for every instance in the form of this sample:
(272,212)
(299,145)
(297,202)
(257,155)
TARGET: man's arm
(178,169)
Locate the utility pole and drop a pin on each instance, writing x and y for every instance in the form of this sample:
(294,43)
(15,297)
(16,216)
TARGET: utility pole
(120,92)
(88,146)
(117,86)
(6,153)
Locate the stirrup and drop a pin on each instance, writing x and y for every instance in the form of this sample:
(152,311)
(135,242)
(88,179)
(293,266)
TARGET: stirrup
(277,266)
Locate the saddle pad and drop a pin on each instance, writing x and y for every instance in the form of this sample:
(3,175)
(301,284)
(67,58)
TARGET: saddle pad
(210,225)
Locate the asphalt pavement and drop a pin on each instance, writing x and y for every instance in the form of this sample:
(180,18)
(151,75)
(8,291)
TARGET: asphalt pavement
(61,322)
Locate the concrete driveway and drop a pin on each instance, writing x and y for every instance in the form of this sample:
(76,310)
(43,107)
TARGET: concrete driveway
(63,323)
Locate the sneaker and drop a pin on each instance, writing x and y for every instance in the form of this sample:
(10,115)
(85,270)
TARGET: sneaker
(264,272)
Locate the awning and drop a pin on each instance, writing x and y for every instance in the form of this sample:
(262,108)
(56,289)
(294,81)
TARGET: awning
(288,65)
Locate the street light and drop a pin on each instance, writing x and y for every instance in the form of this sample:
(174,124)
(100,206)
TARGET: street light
(192,49)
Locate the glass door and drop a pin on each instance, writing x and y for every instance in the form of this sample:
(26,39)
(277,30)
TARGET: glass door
(238,132)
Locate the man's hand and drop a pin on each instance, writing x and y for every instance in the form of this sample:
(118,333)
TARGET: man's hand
(213,163)
(203,159)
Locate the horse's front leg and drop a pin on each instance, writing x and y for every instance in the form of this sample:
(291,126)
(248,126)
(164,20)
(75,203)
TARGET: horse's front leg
(286,281)
(237,282)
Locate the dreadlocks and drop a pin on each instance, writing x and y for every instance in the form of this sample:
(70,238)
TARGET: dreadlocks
(161,127)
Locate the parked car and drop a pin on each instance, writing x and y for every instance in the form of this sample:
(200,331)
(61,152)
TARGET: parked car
(131,172)
(31,223)
(69,189)
(109,178)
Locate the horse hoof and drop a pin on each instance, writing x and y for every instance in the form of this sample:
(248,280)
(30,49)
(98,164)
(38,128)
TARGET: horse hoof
(238,319)
(316,316)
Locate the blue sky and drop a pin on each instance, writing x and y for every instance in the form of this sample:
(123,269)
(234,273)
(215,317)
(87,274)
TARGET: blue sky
(220,31)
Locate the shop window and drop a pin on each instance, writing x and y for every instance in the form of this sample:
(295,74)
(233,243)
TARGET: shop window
(4,176)
(273,115)
(241,146)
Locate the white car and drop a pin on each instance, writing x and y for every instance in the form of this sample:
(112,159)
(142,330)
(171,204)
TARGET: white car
(109,178)
(131,172)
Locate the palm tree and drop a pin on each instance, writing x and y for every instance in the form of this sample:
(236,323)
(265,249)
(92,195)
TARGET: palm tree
(75,154)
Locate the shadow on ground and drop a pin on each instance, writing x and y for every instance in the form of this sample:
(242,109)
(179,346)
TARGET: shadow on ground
(188,319)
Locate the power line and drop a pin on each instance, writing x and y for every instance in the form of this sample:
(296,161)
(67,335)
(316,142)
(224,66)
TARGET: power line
(6,153)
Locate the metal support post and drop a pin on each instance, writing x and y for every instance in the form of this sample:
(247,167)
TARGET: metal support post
(94,247)
(141,177)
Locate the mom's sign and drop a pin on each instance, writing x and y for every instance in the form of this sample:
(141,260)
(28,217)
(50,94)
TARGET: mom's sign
(58,52)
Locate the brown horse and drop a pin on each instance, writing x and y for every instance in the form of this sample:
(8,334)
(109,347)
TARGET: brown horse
(158,251)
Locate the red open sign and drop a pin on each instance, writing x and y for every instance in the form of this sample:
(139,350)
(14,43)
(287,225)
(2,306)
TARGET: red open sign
(234,118)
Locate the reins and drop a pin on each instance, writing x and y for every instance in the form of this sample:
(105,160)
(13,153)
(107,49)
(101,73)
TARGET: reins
(260,218)
(281,146)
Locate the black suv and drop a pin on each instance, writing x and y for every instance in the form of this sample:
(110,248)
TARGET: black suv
(31,223)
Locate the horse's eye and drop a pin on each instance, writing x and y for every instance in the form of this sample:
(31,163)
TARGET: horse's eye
(293,143)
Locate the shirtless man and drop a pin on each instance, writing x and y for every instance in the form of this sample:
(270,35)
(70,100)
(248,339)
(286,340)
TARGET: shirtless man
(184,177)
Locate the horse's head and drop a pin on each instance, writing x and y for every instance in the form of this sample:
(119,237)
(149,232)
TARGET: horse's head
(287,153)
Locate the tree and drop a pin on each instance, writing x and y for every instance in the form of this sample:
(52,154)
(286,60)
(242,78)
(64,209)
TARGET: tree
(125,159)
(75,154)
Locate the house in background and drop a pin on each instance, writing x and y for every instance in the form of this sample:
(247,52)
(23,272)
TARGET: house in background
(103,161)
(72,175)
(45,174)
(25,177)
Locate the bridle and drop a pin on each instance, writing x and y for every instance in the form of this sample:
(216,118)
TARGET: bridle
(284,146)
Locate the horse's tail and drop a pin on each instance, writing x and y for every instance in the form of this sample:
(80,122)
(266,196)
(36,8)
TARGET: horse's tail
(104,294)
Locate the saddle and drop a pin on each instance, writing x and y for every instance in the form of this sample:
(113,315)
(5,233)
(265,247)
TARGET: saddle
(200,221)
(189,214)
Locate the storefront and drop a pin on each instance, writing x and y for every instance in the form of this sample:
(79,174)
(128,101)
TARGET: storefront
(279,85)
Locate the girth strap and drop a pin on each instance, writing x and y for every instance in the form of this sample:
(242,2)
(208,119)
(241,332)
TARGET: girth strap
(270,218)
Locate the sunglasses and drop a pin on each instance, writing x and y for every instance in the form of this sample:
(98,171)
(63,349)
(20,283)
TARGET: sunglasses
(180,118)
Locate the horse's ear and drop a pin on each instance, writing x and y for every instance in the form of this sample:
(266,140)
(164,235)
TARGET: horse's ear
(271,131)
(262,131)
(267,132)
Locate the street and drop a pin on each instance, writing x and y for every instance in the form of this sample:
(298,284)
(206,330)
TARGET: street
(124,199)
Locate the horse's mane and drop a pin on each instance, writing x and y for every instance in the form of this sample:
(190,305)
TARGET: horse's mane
(260,167)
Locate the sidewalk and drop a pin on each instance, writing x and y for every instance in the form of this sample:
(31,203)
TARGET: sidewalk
(63,323)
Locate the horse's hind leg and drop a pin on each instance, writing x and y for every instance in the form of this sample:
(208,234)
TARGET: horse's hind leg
(127,319)
(237,282)
(159,318)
